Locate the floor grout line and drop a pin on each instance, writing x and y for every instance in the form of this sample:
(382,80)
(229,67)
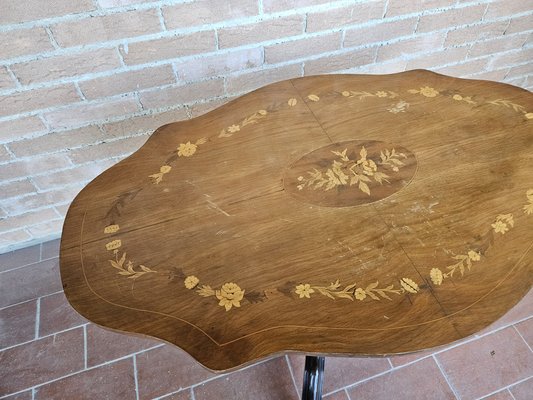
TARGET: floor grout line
(136,377)
(37,318)
(85,346)
(522,337)
(291,372)
(446,378)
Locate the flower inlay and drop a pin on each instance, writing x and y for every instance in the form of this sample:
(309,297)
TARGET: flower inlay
(350,173)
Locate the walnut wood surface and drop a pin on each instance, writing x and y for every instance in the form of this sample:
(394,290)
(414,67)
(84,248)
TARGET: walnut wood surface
(339,214)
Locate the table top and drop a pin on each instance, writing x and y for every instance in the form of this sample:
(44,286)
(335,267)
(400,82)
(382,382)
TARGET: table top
(343,214)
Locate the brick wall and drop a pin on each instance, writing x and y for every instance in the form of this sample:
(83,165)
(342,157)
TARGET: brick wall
(83,82)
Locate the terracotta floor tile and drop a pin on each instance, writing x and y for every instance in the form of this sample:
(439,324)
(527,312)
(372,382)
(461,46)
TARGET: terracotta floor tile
(340,371)
(29,282)
(523,391)
(57,314)
(111,381)
(270,380)
(167,369)
(27,395)
(419,381)
(42,360)
(400,360)
(50,249)
(17,323)
(184,395)
(19,258)
(337,396)
(503,395)
(487,364)
(526,330)
(104,345)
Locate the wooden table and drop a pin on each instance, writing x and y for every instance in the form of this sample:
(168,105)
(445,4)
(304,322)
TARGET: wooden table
(343,215)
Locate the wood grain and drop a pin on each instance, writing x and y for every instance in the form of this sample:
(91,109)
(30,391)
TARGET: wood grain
(341,214)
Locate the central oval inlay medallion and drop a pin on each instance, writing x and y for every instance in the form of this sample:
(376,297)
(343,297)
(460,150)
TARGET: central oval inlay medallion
(350,173)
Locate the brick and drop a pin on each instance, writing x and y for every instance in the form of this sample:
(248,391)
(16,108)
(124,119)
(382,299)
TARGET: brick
(270,6)
(519,56)
(40,164)
(66,66)
(19,128)
(502,8)
(127,82)
(38,9)
(415,45)
(29,218)
(57,315)
(37,99)
(104,345)
(41,361)
(447,55)
(498,75)
(41,200)
(57,141)
(453,17)
(178,95)
(168,47)
(167,369)
(113,381)
(389,67)
(491,47)
(523,390)
(4,154)
(465,69)
(495,366)
(339,17)
(261,31)
(23,42)
(219,64)
(46,230)
(20,258)
(13,239)
(144,123)
(295,49)
(207,12)
(50,249)
(30,282)
(522,70)
(401,7)
(18,188)
(341,371)
(340,62)
(71,176)
(379,33)
(6,81)
(106,27)
(475,33)
(268,380)
(62,209)
(520,24)
(91,113)
(119,3)
(252,80)
(122,148)
(18,324)
(202,108)
(406,383)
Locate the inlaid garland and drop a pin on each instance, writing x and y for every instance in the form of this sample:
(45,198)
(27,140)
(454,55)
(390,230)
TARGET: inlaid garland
(231,295)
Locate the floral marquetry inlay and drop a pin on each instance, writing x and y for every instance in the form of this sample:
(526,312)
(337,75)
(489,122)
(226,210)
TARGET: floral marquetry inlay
(350,173)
